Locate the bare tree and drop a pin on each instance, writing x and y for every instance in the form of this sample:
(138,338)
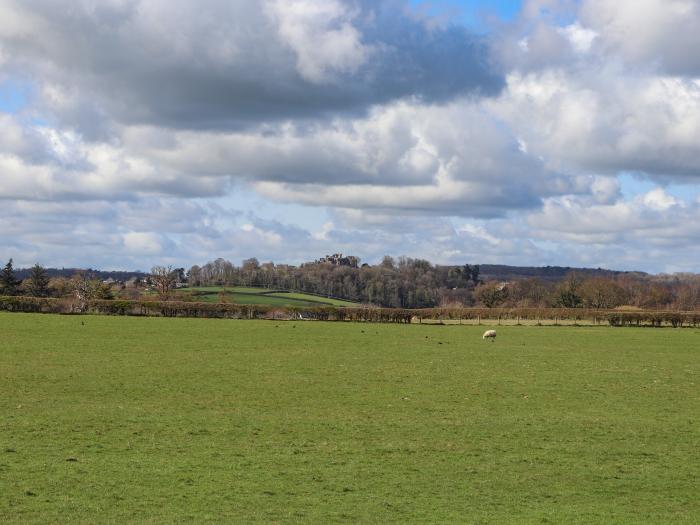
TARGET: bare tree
(164,280)
(602,292)
(85,288)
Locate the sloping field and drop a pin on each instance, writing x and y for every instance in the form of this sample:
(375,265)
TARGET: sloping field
(263,296)
(156,420)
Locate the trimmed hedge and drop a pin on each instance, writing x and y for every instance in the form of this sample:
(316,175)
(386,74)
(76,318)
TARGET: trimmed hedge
(514,314)
(35,305)
(330,313)
(674,319)
(208,310)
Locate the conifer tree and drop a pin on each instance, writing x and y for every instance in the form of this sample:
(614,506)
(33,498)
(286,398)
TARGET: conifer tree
(38,283)
(8,282)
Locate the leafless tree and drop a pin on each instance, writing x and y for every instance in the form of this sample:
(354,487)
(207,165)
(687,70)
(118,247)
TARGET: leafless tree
(85,288)
(164,279)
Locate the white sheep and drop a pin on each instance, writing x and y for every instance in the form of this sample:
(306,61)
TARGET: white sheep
(489,334)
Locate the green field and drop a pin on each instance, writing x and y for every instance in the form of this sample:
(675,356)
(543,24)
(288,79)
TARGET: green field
(154,420)
(262,296)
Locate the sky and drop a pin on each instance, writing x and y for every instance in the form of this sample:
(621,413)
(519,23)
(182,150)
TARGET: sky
(136,133)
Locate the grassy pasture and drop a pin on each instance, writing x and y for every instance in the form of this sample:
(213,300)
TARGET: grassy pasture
(263,296)
(156,420)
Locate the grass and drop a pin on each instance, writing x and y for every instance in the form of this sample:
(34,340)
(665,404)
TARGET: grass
(264,296)
(151,420)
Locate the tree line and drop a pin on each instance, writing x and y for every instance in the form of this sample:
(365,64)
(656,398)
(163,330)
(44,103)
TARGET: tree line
(393,283)
(83,285)
(416,283)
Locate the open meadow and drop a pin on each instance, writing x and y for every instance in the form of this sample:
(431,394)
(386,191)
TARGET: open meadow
(156,420)
(262,296)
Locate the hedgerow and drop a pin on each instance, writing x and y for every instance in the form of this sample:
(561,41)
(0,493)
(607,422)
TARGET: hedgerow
(330,313)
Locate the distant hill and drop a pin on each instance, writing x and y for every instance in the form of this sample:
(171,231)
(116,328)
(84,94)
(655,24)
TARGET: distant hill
(501,272)
(496,272)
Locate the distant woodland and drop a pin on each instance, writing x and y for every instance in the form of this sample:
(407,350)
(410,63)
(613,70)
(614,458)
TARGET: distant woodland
(400,283)
(416,283)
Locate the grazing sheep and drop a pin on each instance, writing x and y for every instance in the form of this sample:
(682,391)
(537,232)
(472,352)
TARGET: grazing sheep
(489,334)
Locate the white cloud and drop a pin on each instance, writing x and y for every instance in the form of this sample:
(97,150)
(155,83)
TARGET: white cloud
(322,36)
(648,33)
(604,120)
(658,200)
(581,38)
(142,243)
(653,217)
(324,233)
(478,232)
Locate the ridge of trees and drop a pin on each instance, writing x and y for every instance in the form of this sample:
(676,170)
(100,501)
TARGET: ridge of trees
(416,283)
(393,283)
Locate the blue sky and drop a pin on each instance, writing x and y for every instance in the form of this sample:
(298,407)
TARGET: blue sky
(473,11)
(560,140)
(12,96)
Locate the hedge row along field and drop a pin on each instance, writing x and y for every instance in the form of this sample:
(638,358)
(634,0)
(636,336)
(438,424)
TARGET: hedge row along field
(362,314)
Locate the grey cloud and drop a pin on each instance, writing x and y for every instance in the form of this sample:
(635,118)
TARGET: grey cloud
(39,145)
(42,163)
(649,34)
(444,160)
(452,159)
(223,65)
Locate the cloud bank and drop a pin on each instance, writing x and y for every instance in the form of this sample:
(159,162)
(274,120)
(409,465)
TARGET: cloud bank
(567,136)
